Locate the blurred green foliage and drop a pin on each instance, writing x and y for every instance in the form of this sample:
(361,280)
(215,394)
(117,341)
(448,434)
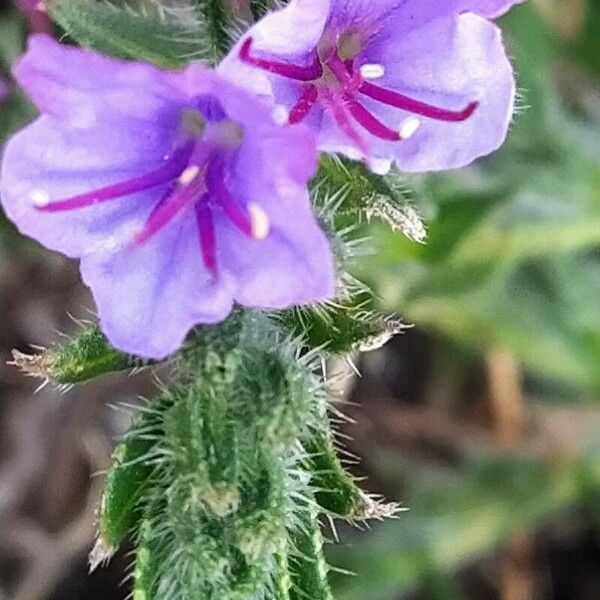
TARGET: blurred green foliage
(512,254)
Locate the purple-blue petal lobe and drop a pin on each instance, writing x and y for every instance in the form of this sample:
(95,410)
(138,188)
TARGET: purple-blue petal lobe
(150,296)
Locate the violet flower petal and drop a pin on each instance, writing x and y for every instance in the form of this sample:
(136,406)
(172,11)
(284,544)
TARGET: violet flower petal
(149,296)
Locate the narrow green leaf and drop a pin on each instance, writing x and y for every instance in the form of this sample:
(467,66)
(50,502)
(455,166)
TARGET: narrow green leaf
(125,484)
(335,490)
(85,357)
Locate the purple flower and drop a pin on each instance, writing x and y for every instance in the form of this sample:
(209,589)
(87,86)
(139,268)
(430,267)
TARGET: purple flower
(176,191)
(425,83)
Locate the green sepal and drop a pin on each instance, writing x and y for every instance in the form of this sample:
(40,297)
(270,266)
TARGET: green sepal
(334,488)
(360,187)
(86,356)
(130,477)
(154,34)
(342,326)
(125,484)
(357,191)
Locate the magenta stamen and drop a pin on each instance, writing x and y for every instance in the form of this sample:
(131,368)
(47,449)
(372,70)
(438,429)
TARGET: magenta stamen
(336,106)
(340,69)
(165,210)
(307,100)
(206,234)
(415,106)
(313,71)
(166,173)
(369,122)
(216,186)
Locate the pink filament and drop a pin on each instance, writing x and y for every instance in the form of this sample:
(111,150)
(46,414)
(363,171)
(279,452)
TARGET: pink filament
(165,210)
(164,174)
(415,106)
(313,71)
(341,118)
(307,100)
(369,122)
(206,234)
(340,69)
(233,210)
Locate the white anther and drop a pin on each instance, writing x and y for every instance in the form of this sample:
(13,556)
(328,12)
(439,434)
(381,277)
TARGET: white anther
(372,71)
(261,225)
(189,175)
(280,115)
(409,127)
(39,198)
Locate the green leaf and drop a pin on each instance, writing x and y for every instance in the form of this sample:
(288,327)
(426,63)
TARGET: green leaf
(166,37)
(258,8)
(216,16)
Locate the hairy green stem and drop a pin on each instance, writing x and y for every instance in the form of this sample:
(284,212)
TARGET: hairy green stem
(308,566)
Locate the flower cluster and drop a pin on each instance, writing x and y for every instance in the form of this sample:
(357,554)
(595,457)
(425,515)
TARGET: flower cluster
(183,193)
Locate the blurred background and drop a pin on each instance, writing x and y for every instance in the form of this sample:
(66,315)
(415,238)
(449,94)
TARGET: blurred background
(483,419)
